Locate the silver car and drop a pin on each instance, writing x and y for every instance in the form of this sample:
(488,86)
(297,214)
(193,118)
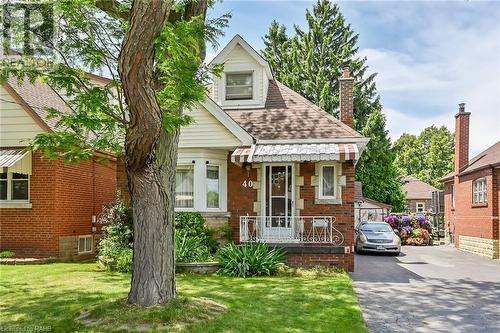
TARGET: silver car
(377,237)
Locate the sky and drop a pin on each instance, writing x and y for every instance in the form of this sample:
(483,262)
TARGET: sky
(429,56)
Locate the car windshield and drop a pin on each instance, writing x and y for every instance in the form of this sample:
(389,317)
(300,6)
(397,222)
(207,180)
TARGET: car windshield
(376,227)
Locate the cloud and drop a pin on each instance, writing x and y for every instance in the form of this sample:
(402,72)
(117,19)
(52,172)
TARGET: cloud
(447,58)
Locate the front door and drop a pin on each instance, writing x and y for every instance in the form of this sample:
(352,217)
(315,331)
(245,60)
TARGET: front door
(278,189)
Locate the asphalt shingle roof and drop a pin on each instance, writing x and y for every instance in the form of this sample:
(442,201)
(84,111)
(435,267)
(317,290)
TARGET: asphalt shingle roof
(288,115)
(417,189)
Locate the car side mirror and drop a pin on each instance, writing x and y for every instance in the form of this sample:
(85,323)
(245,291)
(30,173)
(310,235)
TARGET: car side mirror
(396,231)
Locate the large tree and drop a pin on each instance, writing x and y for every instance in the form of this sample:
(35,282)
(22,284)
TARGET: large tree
(311,61)
(154,51)
(427,156)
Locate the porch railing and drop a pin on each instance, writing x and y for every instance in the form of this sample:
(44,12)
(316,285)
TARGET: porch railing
(296,229)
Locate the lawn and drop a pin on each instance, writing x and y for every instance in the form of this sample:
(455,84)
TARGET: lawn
(52,296)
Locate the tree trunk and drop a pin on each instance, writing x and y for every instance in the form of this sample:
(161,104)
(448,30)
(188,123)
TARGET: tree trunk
(151,156)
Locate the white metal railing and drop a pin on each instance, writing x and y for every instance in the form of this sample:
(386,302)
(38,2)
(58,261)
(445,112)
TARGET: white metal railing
(296,229)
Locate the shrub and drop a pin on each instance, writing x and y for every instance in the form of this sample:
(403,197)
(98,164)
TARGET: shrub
(252,259)
(7,254)
(115,248)
(190,249)
(192,225)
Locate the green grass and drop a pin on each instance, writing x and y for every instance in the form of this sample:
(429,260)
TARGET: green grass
(54,295)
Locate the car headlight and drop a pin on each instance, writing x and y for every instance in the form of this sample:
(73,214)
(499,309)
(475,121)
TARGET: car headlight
(362,237)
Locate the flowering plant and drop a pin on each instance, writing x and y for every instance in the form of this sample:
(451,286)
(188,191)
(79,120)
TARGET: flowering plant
(392,220)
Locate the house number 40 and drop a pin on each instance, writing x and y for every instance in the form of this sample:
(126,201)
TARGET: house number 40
(248,183)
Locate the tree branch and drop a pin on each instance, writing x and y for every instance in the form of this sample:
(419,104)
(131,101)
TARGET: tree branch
(114,9)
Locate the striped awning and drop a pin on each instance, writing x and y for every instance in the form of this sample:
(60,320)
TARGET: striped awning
(15,160)
(242,154)
(296,152)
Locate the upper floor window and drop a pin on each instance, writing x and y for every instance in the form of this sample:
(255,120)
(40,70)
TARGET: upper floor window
(479,192)
(420,207)
(14,186)
(239,86)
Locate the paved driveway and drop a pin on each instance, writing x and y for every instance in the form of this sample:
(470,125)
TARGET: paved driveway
(429,289)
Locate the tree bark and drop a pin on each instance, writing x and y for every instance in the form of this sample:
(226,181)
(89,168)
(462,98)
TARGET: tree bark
(151,156)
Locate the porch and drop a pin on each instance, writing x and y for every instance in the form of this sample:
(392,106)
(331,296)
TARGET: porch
(313,230)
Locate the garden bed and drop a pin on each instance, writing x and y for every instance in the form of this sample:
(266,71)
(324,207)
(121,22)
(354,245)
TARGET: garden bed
(413,229)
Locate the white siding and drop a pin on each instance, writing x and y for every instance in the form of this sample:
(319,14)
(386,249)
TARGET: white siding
(238,60)
(206,131)
(16,126)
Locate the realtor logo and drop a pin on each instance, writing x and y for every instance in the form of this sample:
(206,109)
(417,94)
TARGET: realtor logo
(28,27)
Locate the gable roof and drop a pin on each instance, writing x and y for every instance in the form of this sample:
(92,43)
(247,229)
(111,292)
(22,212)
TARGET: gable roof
(417,189)
(36,98)
(238,40)
(287,116)
(488,158)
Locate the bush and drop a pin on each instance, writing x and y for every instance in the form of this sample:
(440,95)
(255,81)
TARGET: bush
(115,248)
(194,241)
(254,259)
(190,249)
(7,254)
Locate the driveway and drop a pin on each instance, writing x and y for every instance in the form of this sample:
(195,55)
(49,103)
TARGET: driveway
(429,289)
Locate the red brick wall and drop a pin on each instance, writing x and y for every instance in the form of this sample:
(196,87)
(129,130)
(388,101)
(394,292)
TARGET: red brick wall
(467,218)
(241,200)
(33,231)
(321,259)
(64,198)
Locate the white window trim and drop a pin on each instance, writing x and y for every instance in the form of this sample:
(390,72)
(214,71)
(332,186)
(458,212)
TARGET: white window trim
(10,203)
(317,179)
(200,182)
(483,191)
(252,74)
(335,181)
(188,209)
(220,187)
(422,203)
(91,244)
(452,195)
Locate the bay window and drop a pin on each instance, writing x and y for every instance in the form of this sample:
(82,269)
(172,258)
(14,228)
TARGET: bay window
(213,186)
(184,186)
(479,191)
(201,184)
(14,186)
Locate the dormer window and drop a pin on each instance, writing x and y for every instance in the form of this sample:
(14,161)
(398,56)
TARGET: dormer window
(239,86)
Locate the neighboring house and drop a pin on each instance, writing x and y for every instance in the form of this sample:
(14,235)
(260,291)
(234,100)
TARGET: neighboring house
(47,208)
(366,209)
(471,192)
(418,195)
(273,165)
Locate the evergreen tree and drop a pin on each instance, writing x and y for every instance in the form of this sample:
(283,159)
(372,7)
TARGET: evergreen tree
(428,156)
(311,61)
(376,169)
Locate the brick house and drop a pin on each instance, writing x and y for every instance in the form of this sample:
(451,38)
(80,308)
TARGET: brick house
(418,195)
(471,193)
(276,167)
(47,208)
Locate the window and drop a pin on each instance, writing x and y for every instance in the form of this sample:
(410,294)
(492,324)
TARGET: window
(184,186)
(212,186)
(14,186)
(327,179)
(3,186)
(420,207)
(84,244)
(479,193)
(239,86)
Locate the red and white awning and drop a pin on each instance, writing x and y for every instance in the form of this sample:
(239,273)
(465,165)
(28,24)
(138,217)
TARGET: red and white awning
(242,154)
(296,152)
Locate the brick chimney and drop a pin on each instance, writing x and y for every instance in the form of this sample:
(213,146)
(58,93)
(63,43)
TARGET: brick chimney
(461,138)
(346,83)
